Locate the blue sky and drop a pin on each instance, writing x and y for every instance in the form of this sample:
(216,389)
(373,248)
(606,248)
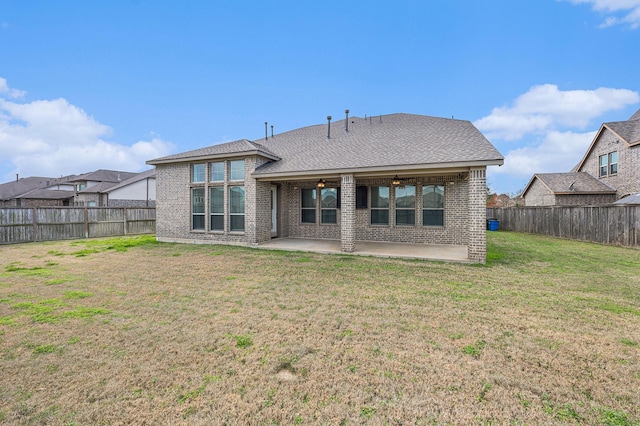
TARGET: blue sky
(89,85)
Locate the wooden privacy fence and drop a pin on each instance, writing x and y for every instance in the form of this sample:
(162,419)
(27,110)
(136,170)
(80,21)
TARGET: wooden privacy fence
(19,225)
(601,224)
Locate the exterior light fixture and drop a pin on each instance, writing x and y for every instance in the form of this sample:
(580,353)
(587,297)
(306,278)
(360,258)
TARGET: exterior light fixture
(321,183)
(395,181)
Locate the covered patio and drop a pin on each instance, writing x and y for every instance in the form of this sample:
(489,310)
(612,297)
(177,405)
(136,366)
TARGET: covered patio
(439,252)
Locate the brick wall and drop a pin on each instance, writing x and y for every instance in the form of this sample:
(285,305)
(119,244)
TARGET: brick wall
(454,231)
(584,199)
(348,214)
(131,203)
(477,243)
(627,181)
(173,214)
(465,196)
(539,195)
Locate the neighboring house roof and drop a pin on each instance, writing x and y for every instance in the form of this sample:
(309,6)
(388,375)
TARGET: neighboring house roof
(151,173)
(633,199)
(104,176)
(571,183)
(15,189)
(395,141)
(628,131)
(47,194)
(98,188)
(240,147)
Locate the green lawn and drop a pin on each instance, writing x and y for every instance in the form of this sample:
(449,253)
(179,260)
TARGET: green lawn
(130,331)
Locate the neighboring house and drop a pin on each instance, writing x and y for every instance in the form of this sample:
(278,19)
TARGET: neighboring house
(567,189)
(90,187)
(502,200)
(101,188)
(37,191)
(398,178)
(137,191)
(613,159)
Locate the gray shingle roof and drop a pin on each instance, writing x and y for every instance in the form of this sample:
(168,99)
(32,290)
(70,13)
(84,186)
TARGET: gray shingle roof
(384,141)
(635,116)
(632,199)
(629,130)
(138,177)
(14,189)
(47,194)
(583,183)
(102,175)
(229,148)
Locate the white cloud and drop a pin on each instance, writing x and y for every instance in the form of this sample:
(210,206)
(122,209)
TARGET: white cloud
(557,152)
(9,92)
(53,138)
(630,11)
(545,107)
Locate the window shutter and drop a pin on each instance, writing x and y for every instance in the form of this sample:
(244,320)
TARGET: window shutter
(361,197)
(339,198)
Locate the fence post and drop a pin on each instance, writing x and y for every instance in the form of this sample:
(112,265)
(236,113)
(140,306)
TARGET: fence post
(35,224)
(124,218)
(86,222)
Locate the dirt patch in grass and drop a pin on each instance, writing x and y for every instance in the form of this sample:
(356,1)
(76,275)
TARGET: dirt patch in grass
(547,333)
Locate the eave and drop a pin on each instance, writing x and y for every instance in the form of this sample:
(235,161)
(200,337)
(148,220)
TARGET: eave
(400,170)
(213,157)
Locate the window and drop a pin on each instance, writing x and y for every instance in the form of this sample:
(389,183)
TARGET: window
(608,164)
(613,163)
(217,172)
(236,208)
(329,200)
(379,205)
(603,165)
(197,208)
(308,205)
(81,187)
(197,172)
(237,170)
(406,205)
(216,198)
(433,205)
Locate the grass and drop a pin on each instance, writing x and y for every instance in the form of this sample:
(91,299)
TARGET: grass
(127,330)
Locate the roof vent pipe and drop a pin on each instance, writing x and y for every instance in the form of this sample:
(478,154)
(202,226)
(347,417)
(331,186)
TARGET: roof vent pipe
(266,135)
(17,177)
(346,122)
(272,131)
(328,127)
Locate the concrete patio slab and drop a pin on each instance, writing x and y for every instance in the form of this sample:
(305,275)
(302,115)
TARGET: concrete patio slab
(443,252)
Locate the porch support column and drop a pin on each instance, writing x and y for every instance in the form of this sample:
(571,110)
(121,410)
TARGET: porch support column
(477,244)
(348,214)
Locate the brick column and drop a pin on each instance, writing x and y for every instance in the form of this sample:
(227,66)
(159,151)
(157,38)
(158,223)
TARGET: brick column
(348,214)
(477,245)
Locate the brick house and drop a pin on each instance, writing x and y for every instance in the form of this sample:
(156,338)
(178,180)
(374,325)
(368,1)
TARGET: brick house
(609,170)
(392,178)
(91,188)
(35,191)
